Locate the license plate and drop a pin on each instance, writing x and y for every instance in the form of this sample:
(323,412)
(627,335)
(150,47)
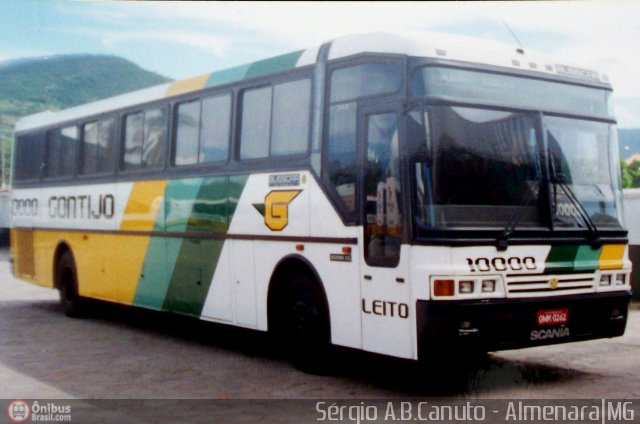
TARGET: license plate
(553,316)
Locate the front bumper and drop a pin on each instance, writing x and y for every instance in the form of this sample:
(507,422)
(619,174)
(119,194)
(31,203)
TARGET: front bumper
(500,324)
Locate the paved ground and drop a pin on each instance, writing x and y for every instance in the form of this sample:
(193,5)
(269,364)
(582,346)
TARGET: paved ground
(128,353)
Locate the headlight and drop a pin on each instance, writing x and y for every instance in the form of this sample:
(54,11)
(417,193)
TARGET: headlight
(465,287)
(488,286)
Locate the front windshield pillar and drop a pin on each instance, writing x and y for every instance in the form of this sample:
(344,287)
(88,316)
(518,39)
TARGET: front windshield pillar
(545,205)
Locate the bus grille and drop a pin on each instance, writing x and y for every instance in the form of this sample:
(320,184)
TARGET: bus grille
(550,285)
(25,261)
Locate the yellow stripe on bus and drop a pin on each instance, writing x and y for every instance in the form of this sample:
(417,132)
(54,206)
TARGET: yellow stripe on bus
(142,207)
(611,256)
(146,198)
(187,85)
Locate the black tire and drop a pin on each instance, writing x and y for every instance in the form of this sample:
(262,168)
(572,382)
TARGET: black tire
(302,325)
(67,283)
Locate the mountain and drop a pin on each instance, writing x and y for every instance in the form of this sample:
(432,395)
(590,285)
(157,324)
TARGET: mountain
(33,85)
(57,82)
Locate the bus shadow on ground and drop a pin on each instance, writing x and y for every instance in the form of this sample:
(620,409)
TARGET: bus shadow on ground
(400,378)
(457,376)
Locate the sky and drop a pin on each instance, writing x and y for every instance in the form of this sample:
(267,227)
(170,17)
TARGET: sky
(182,39)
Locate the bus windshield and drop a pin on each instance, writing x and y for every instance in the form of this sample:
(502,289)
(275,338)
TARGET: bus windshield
(581,156)
(485,168)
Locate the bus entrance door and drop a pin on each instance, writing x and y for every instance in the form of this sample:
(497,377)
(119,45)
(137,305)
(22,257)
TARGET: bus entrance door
(385,293)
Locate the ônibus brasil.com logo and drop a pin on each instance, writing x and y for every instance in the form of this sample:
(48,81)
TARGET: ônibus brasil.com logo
(18,411)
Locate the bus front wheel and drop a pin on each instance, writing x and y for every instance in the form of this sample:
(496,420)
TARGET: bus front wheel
(302,325)
(67,283)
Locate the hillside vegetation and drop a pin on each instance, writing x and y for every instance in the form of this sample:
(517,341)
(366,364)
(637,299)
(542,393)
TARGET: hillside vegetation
(52,83)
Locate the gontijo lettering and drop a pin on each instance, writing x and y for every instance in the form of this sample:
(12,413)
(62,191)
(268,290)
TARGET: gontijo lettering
(82,207)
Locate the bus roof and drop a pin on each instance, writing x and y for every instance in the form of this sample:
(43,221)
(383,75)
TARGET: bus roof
(433,45)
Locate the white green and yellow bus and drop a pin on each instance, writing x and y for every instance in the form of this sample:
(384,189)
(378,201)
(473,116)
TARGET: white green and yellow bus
(399,194)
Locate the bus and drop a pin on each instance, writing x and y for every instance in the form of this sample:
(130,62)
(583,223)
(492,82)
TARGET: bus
(402,194)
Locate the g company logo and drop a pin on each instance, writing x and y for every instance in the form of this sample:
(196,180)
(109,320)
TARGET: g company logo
(275,208)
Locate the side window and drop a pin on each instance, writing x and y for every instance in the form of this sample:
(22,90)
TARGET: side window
(368,79)
(256,123)
(155,137)
(291,105)
(188,133)
(203,131)
(28,159)
(216,129)
(145,138)
(61,152)
(107,142)
(382,191)
(341,154)
(98,147)
(275,120)
(348,85)
(133,140)
(88,164)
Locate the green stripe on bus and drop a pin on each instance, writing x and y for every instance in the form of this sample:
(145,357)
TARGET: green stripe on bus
(197,259)
(256,69)
(162,252)
(195,265)
(227,76)
(274,64)
(560,259)
(572,259)
(587,259)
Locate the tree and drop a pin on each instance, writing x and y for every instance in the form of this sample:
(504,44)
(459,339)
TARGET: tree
(630,174)
(5,147)
(634,172)
(626,176)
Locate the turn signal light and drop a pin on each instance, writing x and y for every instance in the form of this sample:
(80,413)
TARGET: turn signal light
(443,287)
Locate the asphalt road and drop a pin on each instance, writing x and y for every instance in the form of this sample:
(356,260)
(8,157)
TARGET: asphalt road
(129,353)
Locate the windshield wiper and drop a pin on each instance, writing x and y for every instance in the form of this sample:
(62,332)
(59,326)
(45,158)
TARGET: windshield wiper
(502,241)
(594,234)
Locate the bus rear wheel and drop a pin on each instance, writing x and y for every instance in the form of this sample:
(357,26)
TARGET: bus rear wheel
(67,284)
(302,325)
